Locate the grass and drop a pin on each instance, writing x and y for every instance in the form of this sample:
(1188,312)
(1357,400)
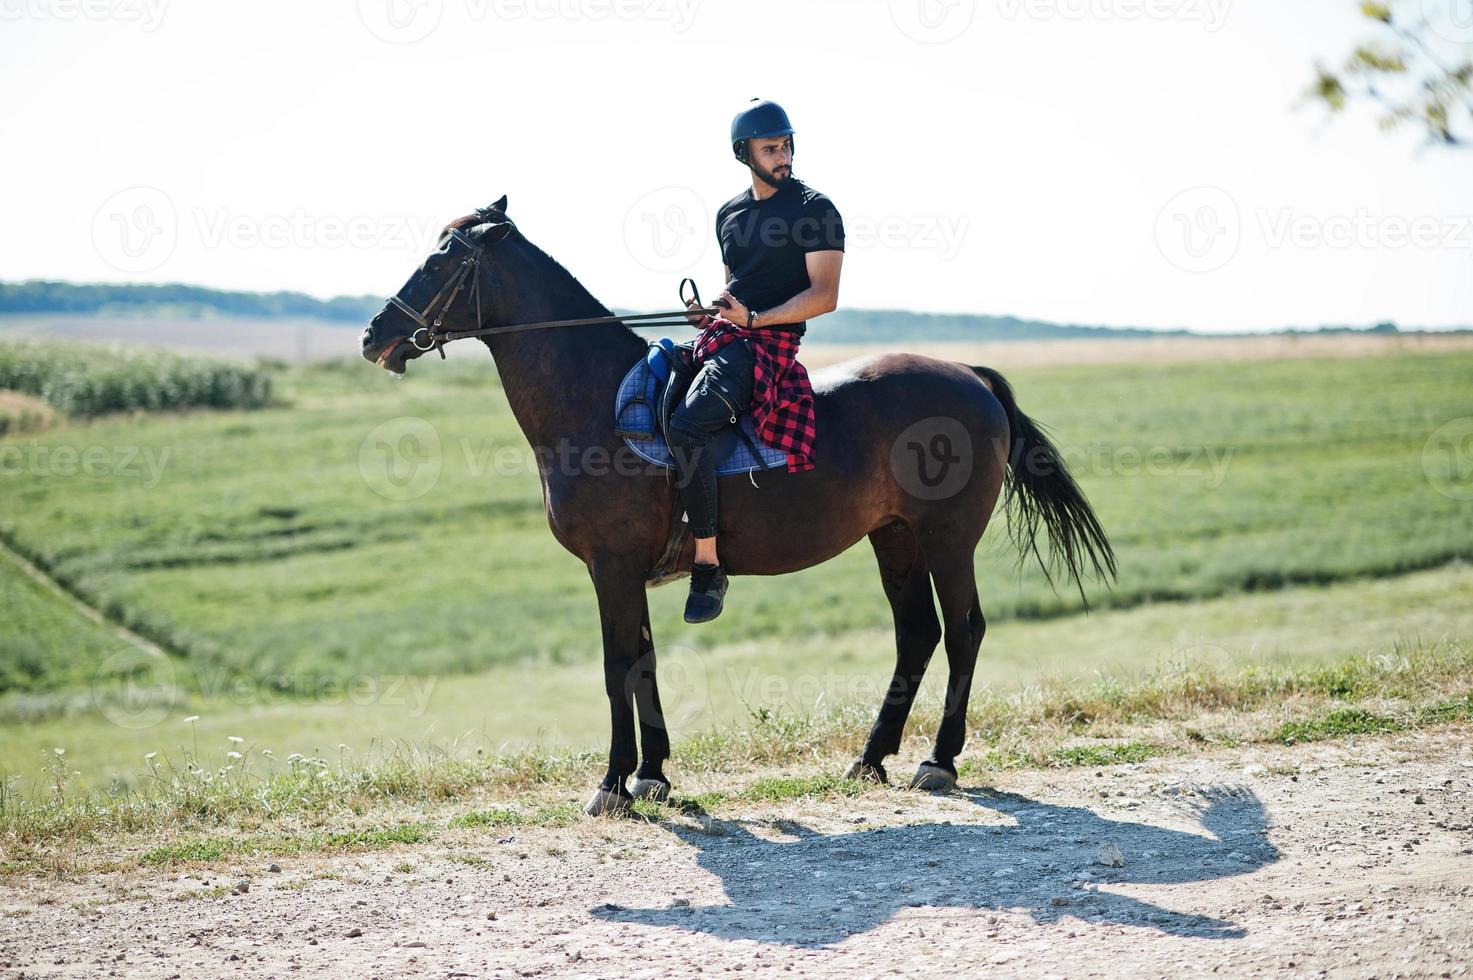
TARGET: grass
(777,789)
(1345,722)
(41,626)
(1339,724)
(1103,755)
(23,413)
(256,809)
(275,548)
(84,380)
(545,816)
(204,850)
(1447,711)
(549,708)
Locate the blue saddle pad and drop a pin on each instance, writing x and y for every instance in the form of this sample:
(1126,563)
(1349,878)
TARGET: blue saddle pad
(634,412)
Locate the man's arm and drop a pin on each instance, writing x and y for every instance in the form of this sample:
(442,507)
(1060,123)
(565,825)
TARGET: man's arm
(821,296)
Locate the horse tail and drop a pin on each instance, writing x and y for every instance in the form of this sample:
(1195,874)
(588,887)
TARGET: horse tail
(1042,491)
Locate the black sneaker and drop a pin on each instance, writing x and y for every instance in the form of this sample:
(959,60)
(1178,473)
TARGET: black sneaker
(707,590)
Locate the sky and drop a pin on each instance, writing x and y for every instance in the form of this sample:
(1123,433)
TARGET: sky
(1117,162)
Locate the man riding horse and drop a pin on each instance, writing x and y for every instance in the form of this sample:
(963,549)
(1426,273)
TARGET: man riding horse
(890,420)
(782,245)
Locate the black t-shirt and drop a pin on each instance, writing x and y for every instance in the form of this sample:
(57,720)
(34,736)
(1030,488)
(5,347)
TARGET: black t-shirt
(765,243)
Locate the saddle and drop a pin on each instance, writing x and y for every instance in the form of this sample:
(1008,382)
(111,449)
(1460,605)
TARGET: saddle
(650,394)
(651,391)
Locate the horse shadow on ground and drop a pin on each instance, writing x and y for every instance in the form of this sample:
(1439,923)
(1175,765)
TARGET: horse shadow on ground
(812,890)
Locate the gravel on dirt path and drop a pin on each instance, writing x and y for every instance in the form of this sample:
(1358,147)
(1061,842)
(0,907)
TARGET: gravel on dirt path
(1352,858)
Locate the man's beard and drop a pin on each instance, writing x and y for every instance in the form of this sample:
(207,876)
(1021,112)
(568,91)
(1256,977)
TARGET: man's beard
(771,180)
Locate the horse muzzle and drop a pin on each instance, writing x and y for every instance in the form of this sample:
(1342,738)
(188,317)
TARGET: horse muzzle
(393,356)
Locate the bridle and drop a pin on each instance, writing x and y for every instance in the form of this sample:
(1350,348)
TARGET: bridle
(429,335)
(448,292)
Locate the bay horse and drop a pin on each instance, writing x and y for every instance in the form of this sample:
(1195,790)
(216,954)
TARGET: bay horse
(912,452)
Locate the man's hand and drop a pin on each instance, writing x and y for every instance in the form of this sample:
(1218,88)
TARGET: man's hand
(735,311)
(696,319)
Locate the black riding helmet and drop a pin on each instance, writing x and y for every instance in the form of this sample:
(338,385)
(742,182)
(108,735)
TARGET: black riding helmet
(760,120)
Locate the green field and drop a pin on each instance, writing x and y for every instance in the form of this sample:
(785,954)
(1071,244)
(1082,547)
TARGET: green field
(308,595)
(88,380)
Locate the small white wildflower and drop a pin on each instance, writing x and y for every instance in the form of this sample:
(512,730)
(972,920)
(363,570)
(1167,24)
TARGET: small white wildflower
(150,756)
(59,751)
(191,719)
(268,753)
(234,738)
(232,755)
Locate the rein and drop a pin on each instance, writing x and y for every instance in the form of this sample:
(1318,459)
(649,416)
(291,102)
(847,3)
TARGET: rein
(429,336)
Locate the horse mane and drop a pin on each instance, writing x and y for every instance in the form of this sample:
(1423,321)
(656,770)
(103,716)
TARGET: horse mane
(478,217)
(483,215)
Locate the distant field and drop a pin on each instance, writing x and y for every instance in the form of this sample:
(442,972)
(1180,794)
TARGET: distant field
(319,340)
(1163,350)
(272,554)
(84,380)
(240,337)
(262,543)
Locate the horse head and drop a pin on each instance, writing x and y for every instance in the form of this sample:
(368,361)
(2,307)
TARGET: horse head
(443,294)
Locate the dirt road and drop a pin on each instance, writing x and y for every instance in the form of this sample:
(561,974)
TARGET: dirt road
(1353,858)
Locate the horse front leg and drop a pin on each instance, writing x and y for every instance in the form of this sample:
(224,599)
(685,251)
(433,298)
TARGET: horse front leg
(619,584)
(654,737)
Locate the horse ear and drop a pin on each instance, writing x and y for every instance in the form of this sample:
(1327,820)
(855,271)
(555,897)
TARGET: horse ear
(491,231)
(499,206)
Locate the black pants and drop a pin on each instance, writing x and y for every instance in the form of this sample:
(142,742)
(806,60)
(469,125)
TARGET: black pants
(702,429)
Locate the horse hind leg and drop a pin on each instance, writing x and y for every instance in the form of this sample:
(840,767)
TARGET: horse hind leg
(964,627)
(907,584)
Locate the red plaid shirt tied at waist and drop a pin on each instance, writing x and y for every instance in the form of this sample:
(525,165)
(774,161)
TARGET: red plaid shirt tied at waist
(782,398)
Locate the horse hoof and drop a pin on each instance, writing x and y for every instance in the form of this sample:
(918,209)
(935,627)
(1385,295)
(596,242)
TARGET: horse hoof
(933,779)
(607,801)
(651,789)
(867,772)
